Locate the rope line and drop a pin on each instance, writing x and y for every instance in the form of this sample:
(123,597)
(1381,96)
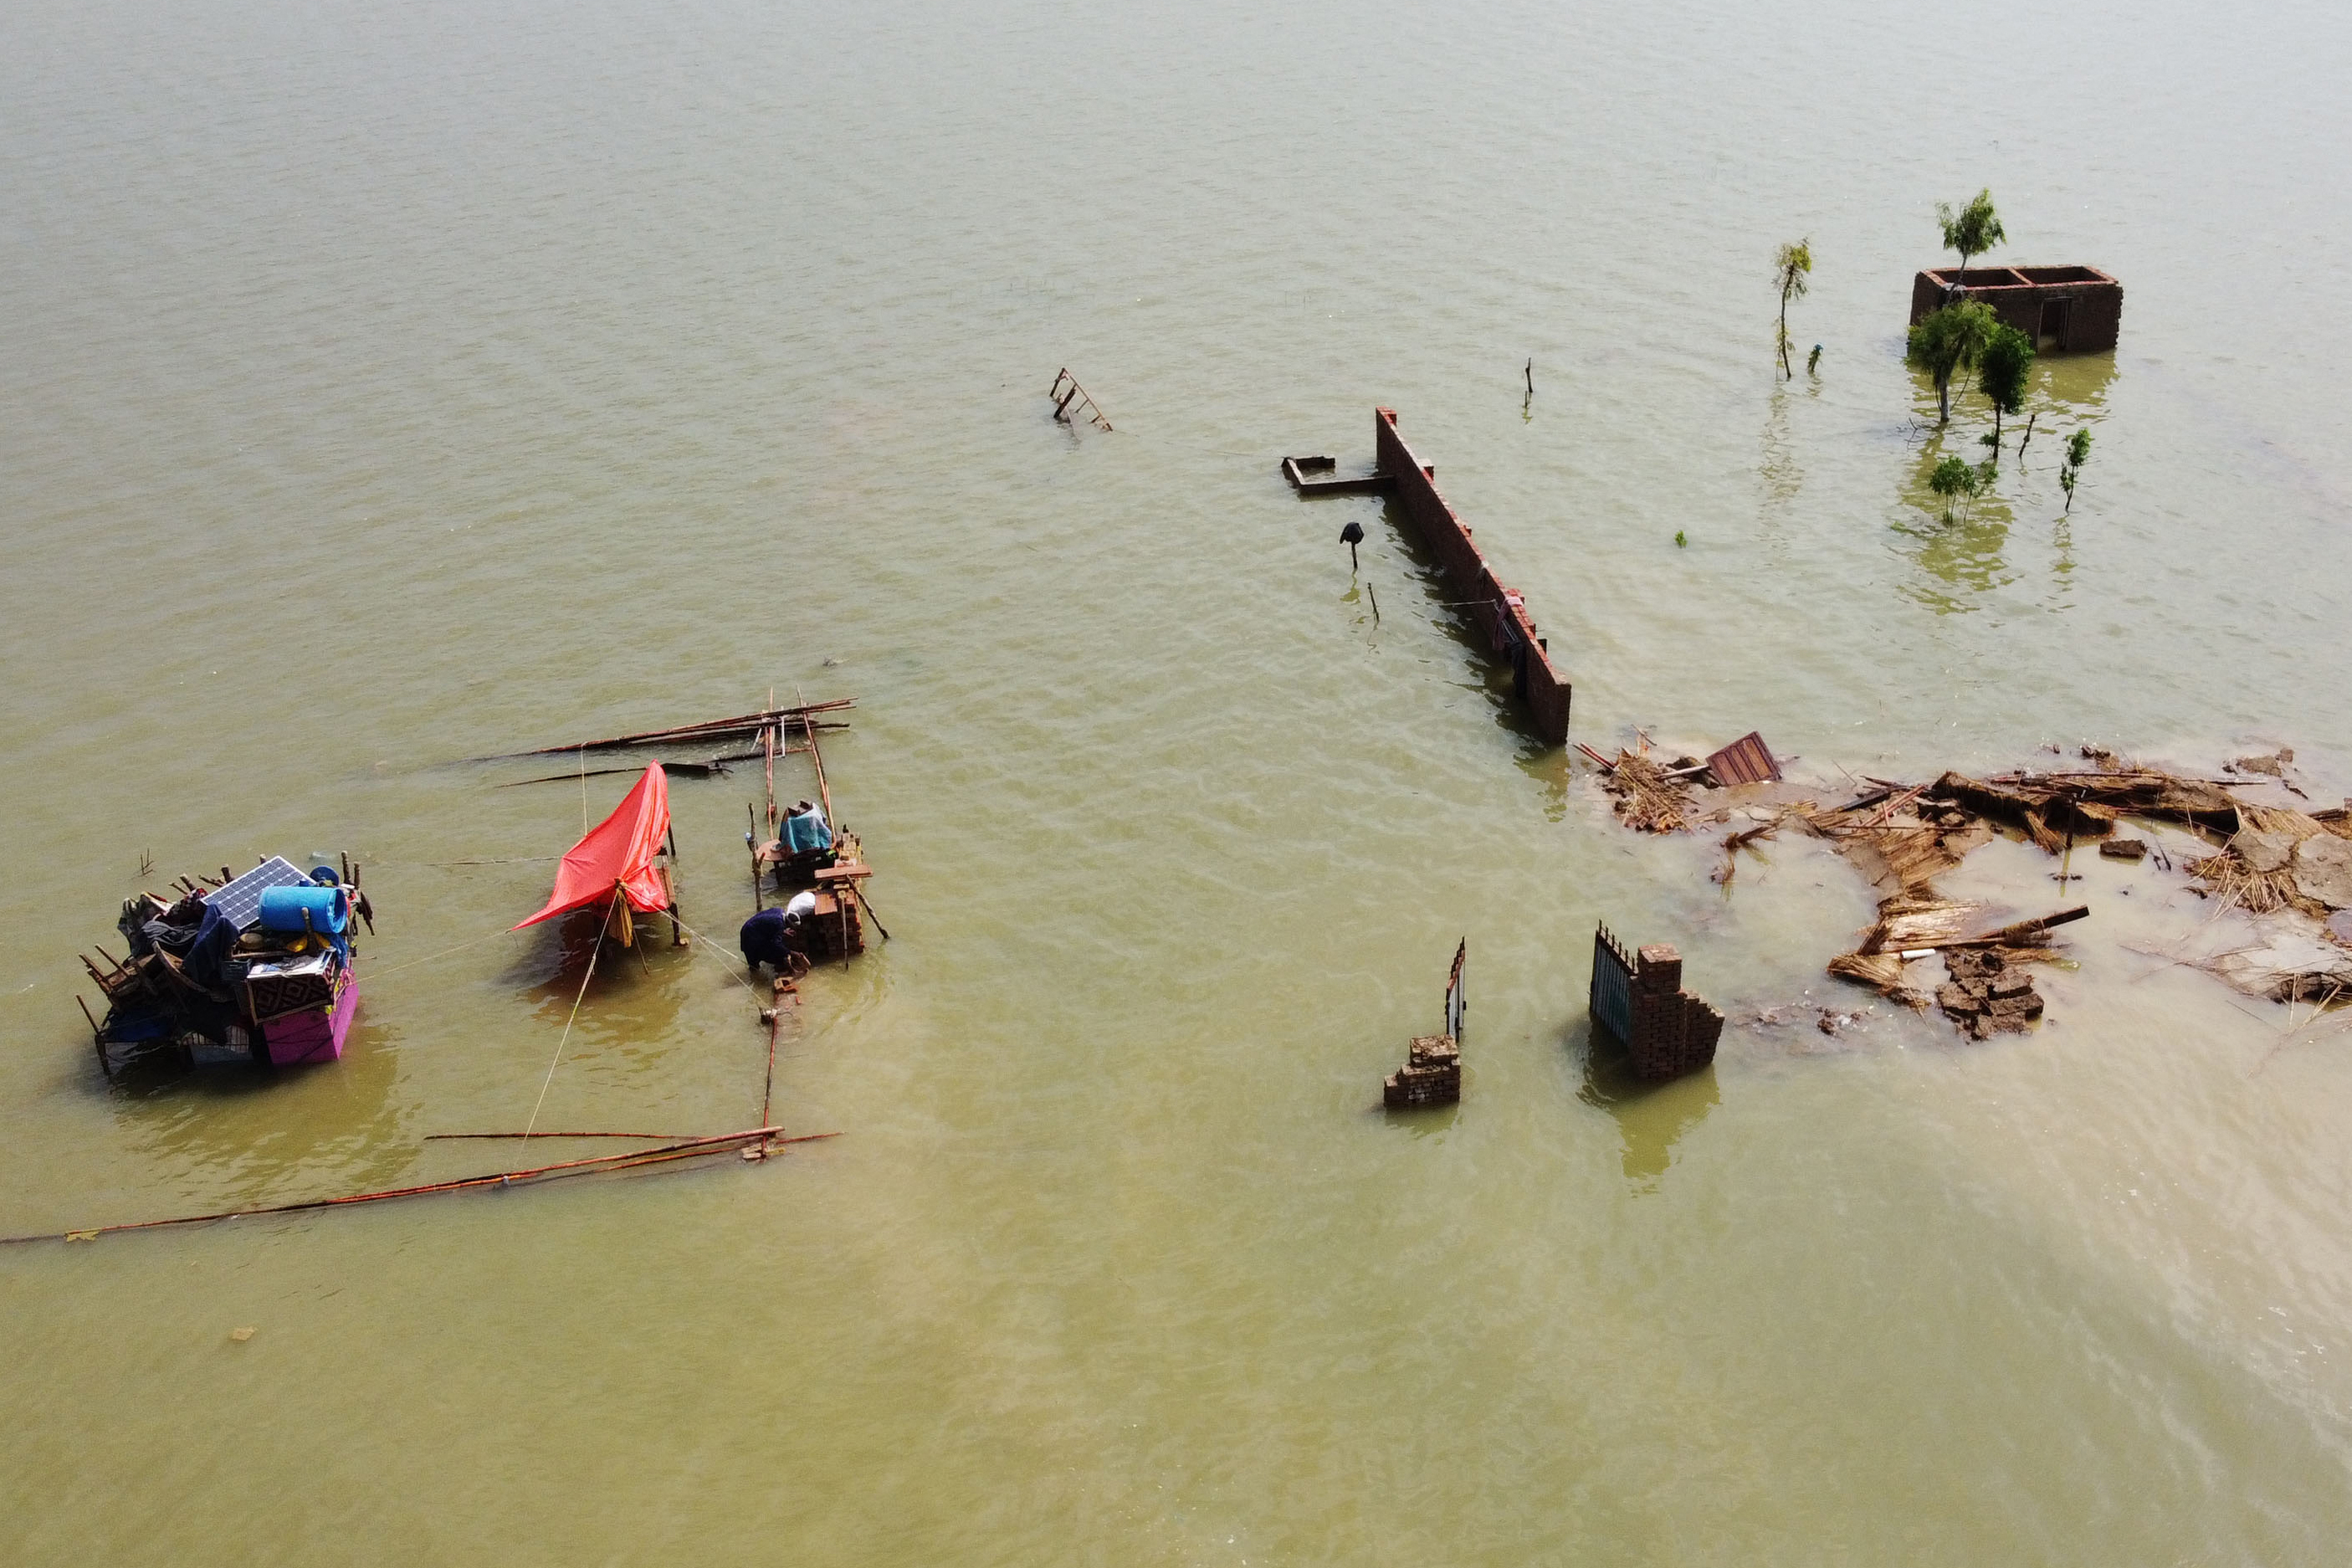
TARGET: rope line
(379,974)
(594,954)
(703,944)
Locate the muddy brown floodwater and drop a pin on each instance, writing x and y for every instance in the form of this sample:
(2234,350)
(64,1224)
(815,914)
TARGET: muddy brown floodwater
(391,384)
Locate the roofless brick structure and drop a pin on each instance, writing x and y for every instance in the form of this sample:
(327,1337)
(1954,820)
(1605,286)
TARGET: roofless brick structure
(2064,309)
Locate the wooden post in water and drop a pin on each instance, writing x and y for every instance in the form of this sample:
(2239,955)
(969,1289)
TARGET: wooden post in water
(768,746)
(751,813)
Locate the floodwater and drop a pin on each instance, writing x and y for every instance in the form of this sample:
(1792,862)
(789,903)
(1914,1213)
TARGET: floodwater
(389,384)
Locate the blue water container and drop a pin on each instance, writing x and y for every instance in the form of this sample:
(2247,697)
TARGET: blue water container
(326,911)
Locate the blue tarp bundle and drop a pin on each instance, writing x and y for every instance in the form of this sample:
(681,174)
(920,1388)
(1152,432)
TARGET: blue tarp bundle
(320,912)
(323,911)
(807,831)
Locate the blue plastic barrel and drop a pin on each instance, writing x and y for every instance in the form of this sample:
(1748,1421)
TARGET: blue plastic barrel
(283,909)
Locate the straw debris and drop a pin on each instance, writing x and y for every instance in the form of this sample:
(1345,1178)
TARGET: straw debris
(1648,800)
(2273,861)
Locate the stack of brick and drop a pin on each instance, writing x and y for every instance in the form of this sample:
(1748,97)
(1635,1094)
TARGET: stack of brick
(1431,1074)
(1986,995)
(1639,1001)
(1673,1032)
(834,931)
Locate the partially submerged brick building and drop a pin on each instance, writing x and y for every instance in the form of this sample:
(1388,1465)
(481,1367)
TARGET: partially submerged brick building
(1637,999)
(2064,309)
(1495,607)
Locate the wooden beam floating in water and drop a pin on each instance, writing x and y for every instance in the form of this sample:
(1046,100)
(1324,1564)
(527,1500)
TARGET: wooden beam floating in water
(686,1148)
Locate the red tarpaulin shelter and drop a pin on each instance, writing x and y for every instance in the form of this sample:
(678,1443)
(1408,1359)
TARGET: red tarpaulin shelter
(618,852)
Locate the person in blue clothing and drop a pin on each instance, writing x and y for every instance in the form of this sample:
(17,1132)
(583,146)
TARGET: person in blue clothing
(772,936)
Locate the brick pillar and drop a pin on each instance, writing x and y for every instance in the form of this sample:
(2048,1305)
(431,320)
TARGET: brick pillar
(1656,1044)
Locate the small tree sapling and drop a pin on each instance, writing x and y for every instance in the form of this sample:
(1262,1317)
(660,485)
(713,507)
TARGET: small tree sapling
(1949,339)
(1791,268)
(2069,472)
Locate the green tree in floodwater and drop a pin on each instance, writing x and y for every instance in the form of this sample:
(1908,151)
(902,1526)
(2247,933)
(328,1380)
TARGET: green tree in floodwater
(2078,452)
(1972,230)
(1813,360)
(1791,268)
(2002,367)
(1948,340)
(1951,478)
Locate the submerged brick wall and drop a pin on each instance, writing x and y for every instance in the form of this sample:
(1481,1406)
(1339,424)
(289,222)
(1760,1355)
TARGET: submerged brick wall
(1497,610)
(1639,1001)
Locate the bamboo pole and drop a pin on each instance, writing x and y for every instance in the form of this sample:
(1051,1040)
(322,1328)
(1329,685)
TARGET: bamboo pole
(768,1094)
(648,1137)
(684,1149)
(823,791)
(751,838)
(98,1041)
(869,907)
(741,723)
(2021,933)
(700,769)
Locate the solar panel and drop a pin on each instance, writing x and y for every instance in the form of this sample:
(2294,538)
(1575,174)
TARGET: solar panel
(241,899)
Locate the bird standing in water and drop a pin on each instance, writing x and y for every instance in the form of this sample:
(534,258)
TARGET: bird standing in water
(1351,536)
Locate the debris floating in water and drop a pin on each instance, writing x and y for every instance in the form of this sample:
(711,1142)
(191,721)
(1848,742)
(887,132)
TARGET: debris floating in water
(2283,864)
(1068,394)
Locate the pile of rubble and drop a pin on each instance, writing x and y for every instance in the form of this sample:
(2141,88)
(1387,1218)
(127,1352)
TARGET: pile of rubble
(1987,994)
(2289,867)
(2283,860)
(2271,860)
(1657,798)
(1431,1074)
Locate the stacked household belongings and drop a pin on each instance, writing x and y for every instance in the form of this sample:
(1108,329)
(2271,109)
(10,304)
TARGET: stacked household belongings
(252,969)
(810,854)
(622,864)
(834,928)
(805,844)
(821,862)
